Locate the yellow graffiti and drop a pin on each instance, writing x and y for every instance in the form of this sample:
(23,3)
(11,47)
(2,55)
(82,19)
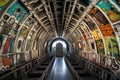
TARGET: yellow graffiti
(3,2)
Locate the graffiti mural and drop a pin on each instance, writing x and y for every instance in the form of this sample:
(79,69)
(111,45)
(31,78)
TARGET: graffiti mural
(7,49)
(100,46)
(19,11)
(110,10)
(4,4)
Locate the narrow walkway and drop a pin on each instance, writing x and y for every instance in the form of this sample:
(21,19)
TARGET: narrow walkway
(60,70)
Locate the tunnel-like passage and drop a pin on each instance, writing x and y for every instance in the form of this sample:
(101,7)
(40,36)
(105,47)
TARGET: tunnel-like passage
(33,34)
(60,47)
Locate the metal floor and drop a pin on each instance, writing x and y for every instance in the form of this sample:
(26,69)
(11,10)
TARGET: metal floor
(59,70)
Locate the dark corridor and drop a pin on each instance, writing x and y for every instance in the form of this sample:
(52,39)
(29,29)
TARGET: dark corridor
(88,31)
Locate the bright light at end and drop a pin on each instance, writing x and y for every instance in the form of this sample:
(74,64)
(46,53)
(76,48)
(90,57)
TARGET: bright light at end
(59,41)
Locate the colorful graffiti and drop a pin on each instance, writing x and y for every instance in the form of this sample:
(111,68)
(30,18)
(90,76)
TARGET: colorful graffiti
(112,46)
(23,32)
(90,23)
(109,36)
(7,49)
(19,11)
(107,30)
(100,47)
(96,34)
(110,10)
(3,5)
(102,22)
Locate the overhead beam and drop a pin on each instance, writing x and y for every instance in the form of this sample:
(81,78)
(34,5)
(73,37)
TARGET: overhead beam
(51,19)
(32,12)
(67,21)
(83,15)
(39,20)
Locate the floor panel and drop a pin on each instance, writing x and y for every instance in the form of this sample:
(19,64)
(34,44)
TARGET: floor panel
(60,70)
